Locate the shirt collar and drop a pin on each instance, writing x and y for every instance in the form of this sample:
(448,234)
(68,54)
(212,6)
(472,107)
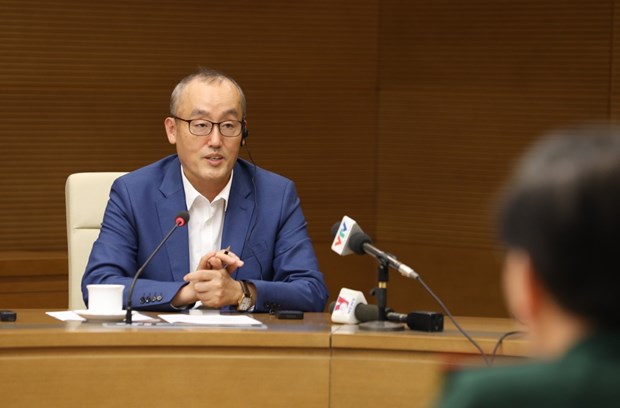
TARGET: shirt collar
(191,194)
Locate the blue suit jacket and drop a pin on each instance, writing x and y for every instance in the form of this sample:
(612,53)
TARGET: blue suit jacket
(263,224)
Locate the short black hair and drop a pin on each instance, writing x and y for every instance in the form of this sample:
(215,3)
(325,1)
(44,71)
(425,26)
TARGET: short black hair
(563,209)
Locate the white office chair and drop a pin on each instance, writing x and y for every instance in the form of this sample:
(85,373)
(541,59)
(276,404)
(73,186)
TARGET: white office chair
(86,197)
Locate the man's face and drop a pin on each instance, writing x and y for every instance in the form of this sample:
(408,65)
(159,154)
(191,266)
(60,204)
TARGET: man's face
(207,160)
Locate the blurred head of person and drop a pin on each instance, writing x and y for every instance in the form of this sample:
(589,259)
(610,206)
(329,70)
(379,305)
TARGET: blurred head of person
(560,223)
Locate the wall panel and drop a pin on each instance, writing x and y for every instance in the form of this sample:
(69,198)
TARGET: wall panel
(464,88)
(614,95)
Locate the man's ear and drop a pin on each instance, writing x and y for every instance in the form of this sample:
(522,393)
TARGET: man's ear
(171,129)
(522,289)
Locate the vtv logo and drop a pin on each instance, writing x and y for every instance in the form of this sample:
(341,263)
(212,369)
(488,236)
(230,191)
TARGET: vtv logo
(342,233)
(346,229)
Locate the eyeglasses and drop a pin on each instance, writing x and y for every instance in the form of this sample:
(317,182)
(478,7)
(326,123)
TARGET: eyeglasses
(203,127)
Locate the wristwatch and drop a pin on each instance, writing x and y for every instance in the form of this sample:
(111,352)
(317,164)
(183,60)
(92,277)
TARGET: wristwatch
(245,301)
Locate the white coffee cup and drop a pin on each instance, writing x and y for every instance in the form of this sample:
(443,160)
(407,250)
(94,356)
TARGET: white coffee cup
(105,298)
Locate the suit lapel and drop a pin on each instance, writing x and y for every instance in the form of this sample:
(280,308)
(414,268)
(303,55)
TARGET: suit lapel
(240,209)
(168,207)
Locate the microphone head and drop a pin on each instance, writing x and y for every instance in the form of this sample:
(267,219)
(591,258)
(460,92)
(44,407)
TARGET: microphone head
(182,218)
(335,229)
(357,241)
(367,313)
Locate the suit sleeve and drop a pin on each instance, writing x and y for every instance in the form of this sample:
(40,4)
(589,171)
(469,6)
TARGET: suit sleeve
(115,258)
(297,282)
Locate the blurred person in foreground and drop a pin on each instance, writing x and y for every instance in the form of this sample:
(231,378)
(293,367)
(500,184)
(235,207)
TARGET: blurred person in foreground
(560,222)
(246,246)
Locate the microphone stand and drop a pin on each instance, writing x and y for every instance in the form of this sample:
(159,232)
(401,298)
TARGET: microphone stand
(128,315)
(380,292)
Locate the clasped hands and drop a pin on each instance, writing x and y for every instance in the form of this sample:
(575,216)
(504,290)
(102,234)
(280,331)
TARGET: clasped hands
(211,283)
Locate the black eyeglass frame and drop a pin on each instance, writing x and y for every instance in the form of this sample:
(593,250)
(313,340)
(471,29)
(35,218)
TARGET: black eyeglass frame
(213,124)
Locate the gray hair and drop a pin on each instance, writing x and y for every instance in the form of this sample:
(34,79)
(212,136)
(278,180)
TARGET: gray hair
(207,75)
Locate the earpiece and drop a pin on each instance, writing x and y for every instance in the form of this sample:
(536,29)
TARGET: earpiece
(244,134)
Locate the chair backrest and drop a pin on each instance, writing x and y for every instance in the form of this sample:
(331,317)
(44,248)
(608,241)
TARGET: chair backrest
(86,197)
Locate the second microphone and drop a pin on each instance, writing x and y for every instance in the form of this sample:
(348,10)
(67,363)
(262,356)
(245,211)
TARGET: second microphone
(416,320)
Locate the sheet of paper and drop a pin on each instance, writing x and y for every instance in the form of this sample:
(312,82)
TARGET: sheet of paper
(212,319)
(66,316)
(139,317)
(71,316)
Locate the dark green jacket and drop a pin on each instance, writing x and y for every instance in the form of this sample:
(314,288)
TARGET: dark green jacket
(587,376)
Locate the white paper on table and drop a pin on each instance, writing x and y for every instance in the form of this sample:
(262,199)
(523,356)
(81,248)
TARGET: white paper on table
(214,319)
(71,316)
(66,316)
(139,317)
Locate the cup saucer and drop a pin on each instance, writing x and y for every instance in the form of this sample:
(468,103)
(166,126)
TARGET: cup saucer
(112,316)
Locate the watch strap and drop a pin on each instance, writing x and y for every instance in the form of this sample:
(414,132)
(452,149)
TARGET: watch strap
(245,302)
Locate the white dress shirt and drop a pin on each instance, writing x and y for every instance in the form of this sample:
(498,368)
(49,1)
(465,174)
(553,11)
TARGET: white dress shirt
(206,220)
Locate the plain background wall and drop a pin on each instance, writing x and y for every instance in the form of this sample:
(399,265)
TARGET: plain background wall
(406,115)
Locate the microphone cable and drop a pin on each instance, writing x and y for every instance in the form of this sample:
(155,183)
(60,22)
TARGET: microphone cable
(488,362)
(458,326)
(501,339)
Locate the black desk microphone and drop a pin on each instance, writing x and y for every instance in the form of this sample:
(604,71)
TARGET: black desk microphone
(180,220)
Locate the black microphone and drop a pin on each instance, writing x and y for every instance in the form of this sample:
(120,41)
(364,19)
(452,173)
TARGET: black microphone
(360,243)
(363,312)
(180,220)
(369,313)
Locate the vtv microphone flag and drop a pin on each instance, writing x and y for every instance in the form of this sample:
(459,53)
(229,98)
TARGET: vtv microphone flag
(347,228)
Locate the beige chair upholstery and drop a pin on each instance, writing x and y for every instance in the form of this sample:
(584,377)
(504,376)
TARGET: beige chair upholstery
(86,197)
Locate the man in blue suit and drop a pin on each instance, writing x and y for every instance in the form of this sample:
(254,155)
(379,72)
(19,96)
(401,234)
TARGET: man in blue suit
(246,246)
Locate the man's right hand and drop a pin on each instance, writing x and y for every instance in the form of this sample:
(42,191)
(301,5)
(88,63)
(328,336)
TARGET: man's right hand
(185,296)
